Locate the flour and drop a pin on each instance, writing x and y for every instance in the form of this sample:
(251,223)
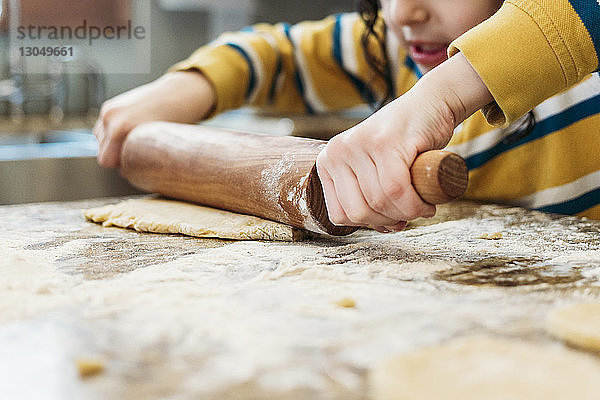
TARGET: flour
(299,197)
(256,317)
(264,315)
(29,286)
(272,184)
(271,178)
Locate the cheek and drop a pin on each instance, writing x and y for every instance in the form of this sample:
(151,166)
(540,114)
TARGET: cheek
(390,21)
(395,29)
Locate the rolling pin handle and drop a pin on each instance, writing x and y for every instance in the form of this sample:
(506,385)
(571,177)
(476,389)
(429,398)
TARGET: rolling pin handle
(439,176)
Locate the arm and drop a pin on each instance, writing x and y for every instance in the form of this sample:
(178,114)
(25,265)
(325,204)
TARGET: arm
(365,170)
(540,47)
(177,97)
(309,67)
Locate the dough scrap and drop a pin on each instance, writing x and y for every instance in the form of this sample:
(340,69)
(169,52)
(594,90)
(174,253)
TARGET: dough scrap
(171,216)
(491,236)
(88,367)
(576,324)
(346,302)
(487,368)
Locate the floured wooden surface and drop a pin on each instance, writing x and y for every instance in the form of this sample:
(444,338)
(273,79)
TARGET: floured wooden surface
(171,216)
(175,316)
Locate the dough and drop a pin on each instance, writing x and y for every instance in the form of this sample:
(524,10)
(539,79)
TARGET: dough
(577,324)
(346,302)
(491,236)
(89,367)
(170,216)
(486,368)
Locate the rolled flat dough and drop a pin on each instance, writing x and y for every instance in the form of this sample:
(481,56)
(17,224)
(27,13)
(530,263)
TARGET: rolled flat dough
(577,324)
(486,368)
(170,216)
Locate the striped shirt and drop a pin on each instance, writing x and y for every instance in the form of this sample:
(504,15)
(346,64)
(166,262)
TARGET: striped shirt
(320,66)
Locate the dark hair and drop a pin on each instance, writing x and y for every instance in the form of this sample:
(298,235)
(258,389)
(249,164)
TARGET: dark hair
(519,129)
(378,62)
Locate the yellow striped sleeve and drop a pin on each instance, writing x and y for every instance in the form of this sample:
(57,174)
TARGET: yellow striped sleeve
(538,165)
(551,166)
(592,213)
(313,66)
(219,64)
(540,48)
(324,84)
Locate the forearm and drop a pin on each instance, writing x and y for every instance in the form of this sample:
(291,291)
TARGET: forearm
(455,84)
(439,102)
(185,97)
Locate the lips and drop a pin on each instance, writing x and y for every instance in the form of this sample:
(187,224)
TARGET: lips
(428,54)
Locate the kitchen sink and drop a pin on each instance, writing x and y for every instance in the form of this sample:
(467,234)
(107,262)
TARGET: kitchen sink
(54,166)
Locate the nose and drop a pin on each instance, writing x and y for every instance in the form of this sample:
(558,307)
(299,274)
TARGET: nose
(408,12)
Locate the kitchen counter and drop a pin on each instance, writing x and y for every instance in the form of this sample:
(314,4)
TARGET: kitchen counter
(169,316)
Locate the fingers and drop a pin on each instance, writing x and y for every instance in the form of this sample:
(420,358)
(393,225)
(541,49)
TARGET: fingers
(110,133)
(388,229)
(352,200)
(334,208)
(109,152)
(394,177)
(364,188)
(100,134)
(373,188)
(398,227)
(344,196)
(345,204)
(109,148)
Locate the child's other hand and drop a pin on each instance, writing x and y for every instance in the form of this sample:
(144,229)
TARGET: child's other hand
(365,171)
(183,97)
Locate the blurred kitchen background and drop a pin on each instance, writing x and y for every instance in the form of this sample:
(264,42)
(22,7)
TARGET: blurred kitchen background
(47,150)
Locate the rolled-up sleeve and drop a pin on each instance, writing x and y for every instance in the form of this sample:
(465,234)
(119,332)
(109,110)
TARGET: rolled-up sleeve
(531,50)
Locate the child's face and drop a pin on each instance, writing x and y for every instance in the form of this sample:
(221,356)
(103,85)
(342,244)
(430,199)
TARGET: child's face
(426,27)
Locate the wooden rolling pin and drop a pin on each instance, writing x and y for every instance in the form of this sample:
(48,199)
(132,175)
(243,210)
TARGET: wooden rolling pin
(273,177)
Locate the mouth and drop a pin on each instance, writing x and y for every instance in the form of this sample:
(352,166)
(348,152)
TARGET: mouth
(428,54)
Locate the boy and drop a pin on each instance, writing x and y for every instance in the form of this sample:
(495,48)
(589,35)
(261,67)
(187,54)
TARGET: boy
(343,61)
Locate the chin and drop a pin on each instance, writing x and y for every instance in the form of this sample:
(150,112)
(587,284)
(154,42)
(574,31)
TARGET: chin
(425,69)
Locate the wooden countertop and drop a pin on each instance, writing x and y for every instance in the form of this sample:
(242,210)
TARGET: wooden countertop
(179,317)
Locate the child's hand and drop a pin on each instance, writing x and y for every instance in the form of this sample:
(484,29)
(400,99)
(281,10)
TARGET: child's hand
(365,170)
(177,97)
